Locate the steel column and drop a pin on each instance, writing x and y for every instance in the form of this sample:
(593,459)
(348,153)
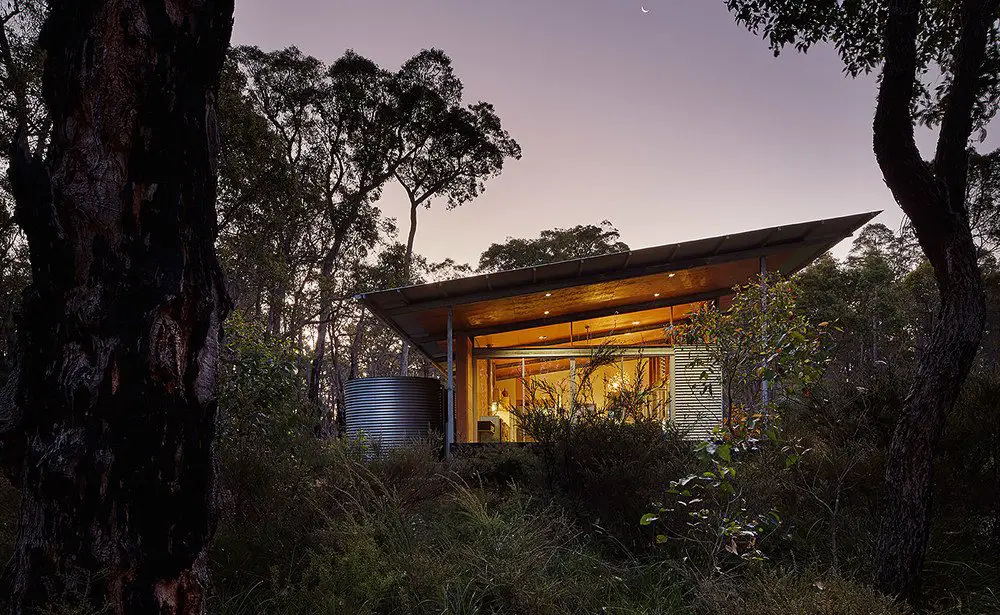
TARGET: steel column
(450,428)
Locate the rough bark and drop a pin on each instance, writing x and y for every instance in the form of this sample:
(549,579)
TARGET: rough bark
(933,198)
(111,420)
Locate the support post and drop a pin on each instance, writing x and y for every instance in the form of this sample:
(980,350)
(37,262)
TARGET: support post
(765,394)
(450,427)
(572,386)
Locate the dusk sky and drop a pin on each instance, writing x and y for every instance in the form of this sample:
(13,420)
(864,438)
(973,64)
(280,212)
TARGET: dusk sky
(675,124)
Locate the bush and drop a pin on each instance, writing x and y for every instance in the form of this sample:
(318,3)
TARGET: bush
(774,593)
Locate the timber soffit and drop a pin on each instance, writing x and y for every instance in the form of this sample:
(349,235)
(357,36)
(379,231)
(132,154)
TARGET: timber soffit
(809,239)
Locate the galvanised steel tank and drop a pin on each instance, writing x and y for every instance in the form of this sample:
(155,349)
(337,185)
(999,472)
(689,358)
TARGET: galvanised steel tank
(394,411)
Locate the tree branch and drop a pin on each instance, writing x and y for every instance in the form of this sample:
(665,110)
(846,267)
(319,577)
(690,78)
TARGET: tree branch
(951,160)
(908,177)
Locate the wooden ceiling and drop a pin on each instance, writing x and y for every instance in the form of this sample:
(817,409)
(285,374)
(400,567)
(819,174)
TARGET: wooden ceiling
(606,293)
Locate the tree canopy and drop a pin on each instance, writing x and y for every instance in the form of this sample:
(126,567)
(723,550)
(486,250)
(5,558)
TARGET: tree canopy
(553,245)
(939,66)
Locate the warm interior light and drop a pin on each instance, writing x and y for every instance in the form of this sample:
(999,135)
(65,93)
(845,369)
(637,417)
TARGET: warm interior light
(548,294)
(542,337)
(546,312)
(656,294)
(671,275)
(635,322)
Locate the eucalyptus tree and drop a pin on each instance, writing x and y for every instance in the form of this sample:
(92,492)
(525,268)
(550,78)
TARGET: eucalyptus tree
(938,63)
(358,150)
(456,149)
(109,424)
(984,200)
(256,204)
(553,245)
(283,87)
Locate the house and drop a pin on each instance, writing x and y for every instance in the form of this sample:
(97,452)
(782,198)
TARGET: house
(496,335)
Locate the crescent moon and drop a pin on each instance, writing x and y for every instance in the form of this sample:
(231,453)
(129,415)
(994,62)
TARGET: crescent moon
(643,9)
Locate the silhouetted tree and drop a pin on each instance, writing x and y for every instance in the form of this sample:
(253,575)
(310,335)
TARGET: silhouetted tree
(456,149)
(910,39)
(552,246)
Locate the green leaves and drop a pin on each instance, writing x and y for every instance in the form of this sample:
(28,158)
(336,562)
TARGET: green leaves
(854,28)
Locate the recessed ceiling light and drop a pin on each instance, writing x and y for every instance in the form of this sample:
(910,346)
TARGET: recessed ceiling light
(542,337)
(671,275)
(548,294)
(546,312)
(656,294)
(635,322)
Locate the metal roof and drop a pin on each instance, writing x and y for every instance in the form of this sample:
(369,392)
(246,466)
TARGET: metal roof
(645,281)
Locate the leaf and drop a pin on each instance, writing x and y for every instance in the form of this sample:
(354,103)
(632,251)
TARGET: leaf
(647,519)
(660,539)
(724,452)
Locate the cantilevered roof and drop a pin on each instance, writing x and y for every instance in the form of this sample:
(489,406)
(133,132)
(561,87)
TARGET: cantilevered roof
(622,294)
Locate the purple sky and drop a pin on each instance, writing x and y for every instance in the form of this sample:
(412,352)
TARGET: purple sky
(676,124)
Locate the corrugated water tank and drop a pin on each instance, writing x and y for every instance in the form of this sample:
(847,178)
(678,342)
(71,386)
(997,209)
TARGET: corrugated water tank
(394,410)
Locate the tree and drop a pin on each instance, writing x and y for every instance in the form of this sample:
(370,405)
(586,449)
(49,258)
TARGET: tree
(110,419)
(763,338)
(553,246)
(456,149)
(984,200)
(256,201)
(911,40)
(282,88)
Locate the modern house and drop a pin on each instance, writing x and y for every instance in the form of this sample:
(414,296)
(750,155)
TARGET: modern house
(495,335)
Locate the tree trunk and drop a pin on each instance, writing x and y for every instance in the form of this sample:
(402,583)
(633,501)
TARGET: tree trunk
(404,355)
(325,308)
(326,291)
(933,197)
(113,414)
(279,291)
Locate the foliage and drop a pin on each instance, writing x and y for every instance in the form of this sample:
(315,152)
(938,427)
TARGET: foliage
(552,246)
(606,463)
(339,532)
(983,200)
(939,65)
(856,30)
(786,592)
(455,149)
(761,339)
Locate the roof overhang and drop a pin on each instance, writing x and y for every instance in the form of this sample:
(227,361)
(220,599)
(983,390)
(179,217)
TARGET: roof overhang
(602,290)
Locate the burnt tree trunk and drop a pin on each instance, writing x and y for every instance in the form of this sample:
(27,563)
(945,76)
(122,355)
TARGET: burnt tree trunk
(111,420)
(933,197)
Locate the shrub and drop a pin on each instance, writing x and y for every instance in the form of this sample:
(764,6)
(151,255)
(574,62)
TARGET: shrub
(775,593)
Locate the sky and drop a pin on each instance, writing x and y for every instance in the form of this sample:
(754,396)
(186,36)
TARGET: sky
(676,124)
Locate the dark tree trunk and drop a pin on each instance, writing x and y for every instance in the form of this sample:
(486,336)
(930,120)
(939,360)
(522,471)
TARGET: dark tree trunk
(325,315)
(404,355)
(112,416)
(326,298)
(933,197)
(279,292)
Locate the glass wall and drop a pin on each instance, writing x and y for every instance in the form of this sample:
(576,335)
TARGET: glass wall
(510,384)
